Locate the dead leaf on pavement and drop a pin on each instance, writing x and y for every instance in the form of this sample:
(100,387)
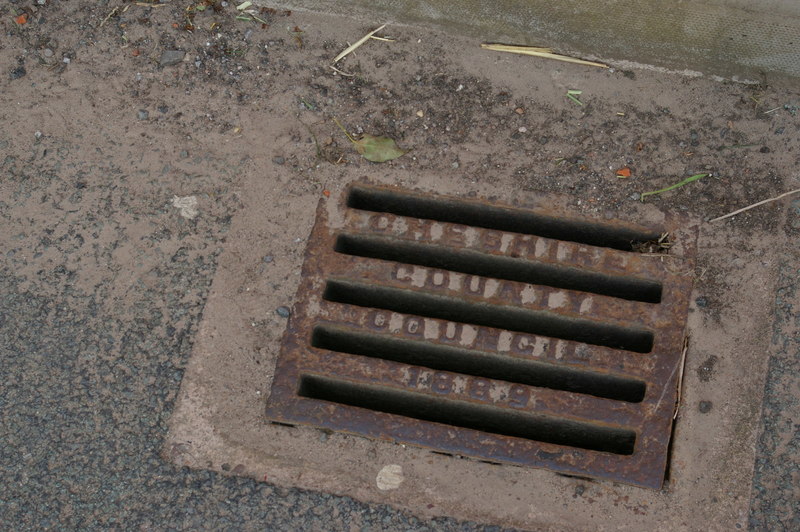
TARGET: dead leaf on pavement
(377,149)
(624,172)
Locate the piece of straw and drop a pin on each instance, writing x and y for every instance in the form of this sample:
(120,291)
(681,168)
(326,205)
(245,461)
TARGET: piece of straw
(770,200)
(356,44)
(538,52)
(686,181)
(680,377)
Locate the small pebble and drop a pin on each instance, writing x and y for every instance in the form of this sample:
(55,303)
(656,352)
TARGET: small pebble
(248,34)
(523,129)
(48,52)
(143,114)
(163,109)
(268,258)
(66,60)
(37,135)
(705,407)
(420,113)
(519,111)
(635,196)
(701,302)
(184,154)
(454,165)
(18,72)
(283,311)
(171,57)
(278,160)
(544,140)
(323,437)
(765,149)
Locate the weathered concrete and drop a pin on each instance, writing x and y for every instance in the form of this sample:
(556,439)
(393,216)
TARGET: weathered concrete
(731,38)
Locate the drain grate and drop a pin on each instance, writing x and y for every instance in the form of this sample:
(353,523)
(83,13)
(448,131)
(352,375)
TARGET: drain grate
(509,335)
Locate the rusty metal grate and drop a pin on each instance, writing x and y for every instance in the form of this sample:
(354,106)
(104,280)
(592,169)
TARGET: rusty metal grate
(510,335)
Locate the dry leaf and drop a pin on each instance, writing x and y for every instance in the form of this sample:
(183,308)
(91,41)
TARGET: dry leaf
(377,149)
(372,148)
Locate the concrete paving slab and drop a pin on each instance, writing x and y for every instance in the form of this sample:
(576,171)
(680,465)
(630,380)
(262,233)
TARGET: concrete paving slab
(219,424)
(219,420)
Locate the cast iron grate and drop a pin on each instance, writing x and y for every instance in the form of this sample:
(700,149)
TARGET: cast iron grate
(510,335)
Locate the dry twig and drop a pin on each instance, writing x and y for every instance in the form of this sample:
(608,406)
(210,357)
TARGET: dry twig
(356,44)
(113,12)
(770,200)
(538,52)
(680,377)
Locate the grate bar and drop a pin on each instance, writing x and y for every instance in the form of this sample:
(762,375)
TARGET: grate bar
(488,290)
(493,217)
(498,267)
(478,363)
(507,244)
(579,356)
(472,416)
(460,387)
(489,315)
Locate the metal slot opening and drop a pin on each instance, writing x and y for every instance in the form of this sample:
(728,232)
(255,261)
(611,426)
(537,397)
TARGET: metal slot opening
(512,269)
(484,418)
(497,218)
(477,363)
(487,315)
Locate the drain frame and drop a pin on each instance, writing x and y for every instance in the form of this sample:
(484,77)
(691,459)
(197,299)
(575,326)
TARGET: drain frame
(650,419)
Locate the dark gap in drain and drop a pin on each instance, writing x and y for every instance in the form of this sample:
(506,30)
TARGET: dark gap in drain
(497,218)
(487,315)
(512,269)
(484,418)
(282,424)
(477,363)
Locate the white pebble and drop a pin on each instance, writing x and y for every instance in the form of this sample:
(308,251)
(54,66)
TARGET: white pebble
(390,477)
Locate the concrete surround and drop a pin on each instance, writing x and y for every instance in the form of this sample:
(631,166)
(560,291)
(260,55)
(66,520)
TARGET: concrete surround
(734,39)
